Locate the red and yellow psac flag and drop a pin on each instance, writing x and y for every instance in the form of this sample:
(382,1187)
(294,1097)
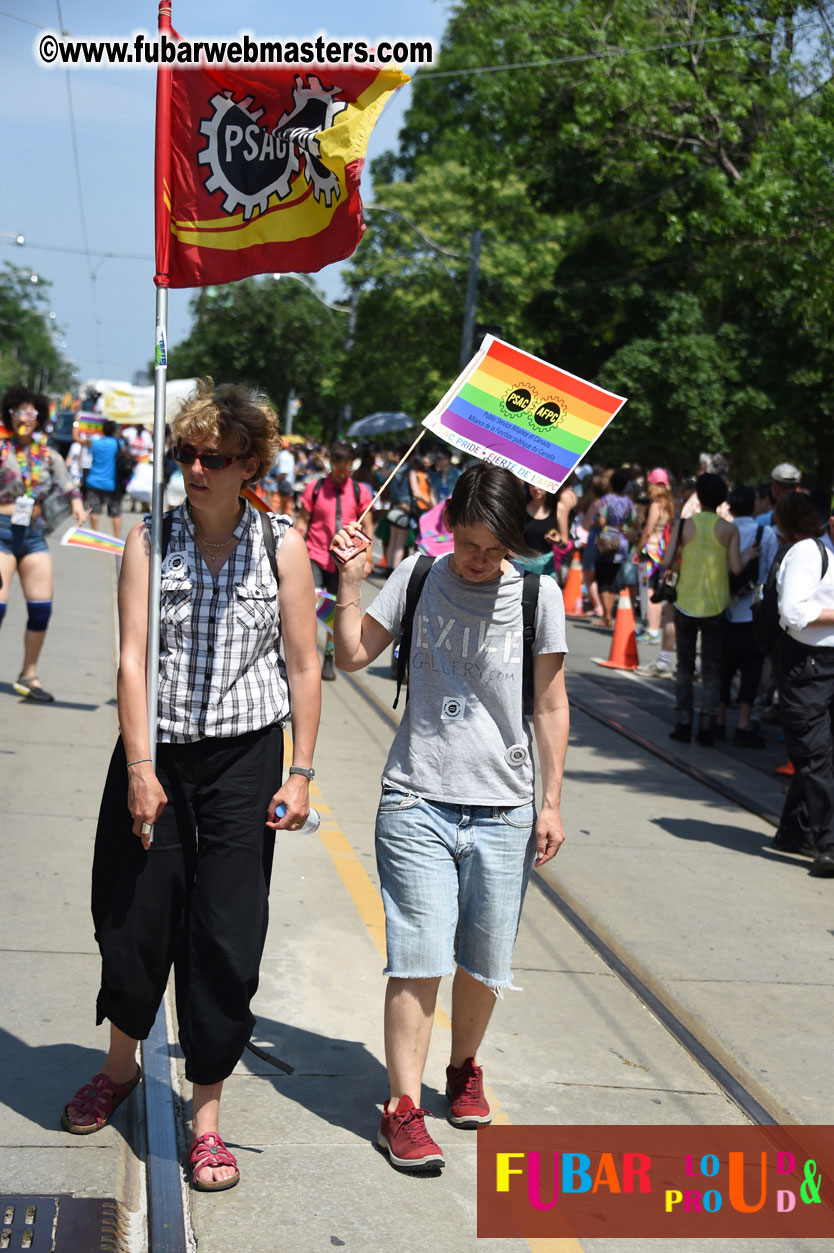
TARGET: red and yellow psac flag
(259,170)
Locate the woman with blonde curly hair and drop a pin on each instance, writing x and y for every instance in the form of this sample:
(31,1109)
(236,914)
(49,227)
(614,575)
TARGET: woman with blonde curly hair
(237,593)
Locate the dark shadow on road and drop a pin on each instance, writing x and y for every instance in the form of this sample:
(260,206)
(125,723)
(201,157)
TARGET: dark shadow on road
(725,836)
(6,689)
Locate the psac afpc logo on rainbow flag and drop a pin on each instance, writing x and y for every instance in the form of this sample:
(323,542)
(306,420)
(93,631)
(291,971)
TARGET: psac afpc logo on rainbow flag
(652,1182)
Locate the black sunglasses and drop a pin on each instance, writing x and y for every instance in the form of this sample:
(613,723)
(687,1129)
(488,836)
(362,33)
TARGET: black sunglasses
(187,455)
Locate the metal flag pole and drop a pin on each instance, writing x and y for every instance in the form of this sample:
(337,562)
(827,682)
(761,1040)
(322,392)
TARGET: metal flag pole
(160,376)
(162,177)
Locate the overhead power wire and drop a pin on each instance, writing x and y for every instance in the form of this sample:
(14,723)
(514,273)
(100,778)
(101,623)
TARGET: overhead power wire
(577,58)
(24,20)
(81,210)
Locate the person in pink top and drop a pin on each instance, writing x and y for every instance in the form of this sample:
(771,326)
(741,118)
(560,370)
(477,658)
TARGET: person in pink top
(326,505)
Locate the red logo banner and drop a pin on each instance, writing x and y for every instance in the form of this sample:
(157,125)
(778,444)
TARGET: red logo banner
(262,168)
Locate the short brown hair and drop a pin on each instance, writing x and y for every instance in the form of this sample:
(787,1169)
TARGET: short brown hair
(233,415)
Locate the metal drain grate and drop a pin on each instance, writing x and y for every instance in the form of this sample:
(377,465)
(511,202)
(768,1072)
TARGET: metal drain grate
(59,1224)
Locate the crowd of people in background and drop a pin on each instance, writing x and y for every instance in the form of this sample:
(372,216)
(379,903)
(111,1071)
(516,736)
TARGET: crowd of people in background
(691,552)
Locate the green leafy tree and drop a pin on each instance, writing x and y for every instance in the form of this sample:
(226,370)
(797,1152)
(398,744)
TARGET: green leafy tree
(681,153)
(28,354)
(273,335)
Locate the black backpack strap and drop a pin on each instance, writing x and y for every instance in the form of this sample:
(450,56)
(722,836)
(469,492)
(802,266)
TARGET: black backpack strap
(316,490)
(357,496)
(823,557)
(529,602)
(167,524)
(418,577)
(269,541)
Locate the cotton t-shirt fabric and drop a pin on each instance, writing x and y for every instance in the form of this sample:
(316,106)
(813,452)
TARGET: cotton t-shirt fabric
(102,472)
(322,526)
(463,738)
(804,593)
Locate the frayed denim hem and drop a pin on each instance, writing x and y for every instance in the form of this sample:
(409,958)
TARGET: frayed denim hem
(437,974)
(496,986)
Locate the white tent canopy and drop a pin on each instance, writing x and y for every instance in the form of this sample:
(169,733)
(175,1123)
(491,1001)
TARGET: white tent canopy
(126,403)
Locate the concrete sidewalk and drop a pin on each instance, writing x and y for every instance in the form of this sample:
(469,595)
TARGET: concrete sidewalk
(53,759)
(574,1047)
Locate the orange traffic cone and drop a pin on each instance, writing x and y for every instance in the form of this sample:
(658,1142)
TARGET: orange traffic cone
(623,654)
(572,593)
(787,769)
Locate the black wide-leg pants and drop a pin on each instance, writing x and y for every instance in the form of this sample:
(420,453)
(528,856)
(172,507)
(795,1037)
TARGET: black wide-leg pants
(197,899)
(806,708)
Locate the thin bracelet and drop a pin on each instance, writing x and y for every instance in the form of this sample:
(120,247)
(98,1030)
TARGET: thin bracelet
(138,761)
(347,603)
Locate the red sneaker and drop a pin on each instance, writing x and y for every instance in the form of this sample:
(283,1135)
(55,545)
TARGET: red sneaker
(403,1136)
(468,1107)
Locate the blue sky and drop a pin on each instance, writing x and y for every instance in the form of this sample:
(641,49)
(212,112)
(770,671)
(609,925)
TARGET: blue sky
(108,320)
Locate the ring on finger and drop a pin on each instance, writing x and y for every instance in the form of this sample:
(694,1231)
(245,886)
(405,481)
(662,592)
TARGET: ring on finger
(146,828)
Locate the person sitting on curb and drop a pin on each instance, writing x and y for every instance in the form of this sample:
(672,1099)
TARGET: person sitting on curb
(457,833)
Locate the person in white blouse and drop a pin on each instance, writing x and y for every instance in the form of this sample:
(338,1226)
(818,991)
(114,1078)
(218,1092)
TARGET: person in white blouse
(805,667)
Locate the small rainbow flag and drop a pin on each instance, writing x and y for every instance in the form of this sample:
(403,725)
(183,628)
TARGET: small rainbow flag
(78,537)
(518,411)
(90,423)
(325,607)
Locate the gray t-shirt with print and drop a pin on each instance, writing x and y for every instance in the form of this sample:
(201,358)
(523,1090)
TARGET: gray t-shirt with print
(463,737)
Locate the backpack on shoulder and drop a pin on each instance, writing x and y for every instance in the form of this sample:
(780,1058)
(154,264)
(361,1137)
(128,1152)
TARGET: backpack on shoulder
(766,629)
(529,602)
(745,583)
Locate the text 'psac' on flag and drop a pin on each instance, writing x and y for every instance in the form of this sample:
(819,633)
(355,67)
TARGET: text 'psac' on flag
(257,169)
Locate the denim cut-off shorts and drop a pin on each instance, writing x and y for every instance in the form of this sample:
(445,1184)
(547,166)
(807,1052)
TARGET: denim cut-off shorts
(453,879)
(21,541)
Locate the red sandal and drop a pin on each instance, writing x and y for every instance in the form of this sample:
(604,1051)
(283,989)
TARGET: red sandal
(209,1150)
(93,1106)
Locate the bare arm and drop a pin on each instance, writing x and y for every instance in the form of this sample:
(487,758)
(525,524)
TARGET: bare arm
(551,724)
(677,539)
(359,639)
(298,629)
(146,799)
(649,526)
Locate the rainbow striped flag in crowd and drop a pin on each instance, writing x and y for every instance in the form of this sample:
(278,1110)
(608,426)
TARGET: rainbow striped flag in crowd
(90,423)
(78,537)
(518,411)
(325,607)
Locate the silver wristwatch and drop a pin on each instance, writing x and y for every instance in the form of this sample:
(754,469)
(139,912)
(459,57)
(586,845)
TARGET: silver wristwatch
(308,774)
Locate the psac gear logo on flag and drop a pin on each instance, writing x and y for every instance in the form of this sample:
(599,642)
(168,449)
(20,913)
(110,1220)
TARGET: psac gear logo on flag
(261,171)
(249,163)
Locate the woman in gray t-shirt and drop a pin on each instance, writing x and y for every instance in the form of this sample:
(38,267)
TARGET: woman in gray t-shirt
(457,833)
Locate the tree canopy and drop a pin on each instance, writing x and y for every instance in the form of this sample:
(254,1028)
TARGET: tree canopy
(28,354)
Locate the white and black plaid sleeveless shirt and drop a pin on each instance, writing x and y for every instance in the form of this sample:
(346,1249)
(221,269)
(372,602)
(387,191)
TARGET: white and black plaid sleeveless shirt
(220,669)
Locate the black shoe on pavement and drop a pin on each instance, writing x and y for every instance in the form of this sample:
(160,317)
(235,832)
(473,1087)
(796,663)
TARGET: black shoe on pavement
(328,668)
(682,733)
(31,688)
(781,844)
(719,732)
(747,738)
(706,739)
(823,867)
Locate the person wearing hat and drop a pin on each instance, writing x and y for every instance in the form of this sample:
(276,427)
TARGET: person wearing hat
(784,478)
(648,553)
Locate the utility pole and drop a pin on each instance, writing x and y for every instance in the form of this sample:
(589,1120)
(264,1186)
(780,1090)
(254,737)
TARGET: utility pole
(346,411)
(290,412)
(468,335)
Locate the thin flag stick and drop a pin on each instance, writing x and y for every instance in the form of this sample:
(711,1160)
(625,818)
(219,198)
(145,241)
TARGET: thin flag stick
(402,459)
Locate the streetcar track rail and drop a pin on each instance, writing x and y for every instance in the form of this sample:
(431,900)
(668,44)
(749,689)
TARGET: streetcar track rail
(639,981)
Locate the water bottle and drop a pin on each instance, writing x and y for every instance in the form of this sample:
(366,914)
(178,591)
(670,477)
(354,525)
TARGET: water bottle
(310,827)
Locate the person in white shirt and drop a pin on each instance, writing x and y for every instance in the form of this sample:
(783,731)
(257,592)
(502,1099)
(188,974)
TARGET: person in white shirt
(805,668)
